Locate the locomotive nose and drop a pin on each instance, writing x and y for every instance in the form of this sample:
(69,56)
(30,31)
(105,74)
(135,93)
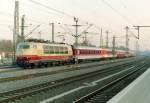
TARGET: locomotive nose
(19,52)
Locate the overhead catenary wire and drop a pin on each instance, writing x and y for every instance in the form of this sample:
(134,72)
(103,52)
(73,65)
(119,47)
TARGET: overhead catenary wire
(9,14)
(50,8)
(63,13)
(133,34)
(59,11)
(115,10)
(123,4)
(133,13)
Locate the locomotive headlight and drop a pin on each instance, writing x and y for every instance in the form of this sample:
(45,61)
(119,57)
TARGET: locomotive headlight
(28,58)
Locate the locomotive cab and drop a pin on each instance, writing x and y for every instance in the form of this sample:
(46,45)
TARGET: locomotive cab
(26,49)
(21,47)
(25,52)
(30,54)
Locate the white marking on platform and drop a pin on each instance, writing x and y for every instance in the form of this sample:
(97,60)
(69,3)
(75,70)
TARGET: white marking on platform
(136,92)
(85,85)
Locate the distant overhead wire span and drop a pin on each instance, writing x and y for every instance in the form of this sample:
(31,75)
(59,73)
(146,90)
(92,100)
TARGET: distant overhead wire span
(123,16)
(123,4)
(61,12)
(58,11)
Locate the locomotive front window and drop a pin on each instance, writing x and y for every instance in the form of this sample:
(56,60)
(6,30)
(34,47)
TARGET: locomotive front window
(24,46)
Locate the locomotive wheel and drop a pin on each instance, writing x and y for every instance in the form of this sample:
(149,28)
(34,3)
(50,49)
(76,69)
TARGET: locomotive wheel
(49,64)
(25,66)
(59,63)
(39,65)
(45,64)
(32,65)
(63,63)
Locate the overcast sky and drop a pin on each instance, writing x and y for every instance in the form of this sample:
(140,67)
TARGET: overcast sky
(112,15)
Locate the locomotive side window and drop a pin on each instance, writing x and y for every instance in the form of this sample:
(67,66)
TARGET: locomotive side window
(66,50)
(51,50)
(34,46)
(46,49)
(56,50)
(61,49)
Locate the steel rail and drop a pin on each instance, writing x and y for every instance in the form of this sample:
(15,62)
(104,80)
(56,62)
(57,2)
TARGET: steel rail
(105,87)
(23,92)
(74,68)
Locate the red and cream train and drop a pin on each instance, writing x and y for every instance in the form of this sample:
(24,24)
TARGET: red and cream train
(30,54)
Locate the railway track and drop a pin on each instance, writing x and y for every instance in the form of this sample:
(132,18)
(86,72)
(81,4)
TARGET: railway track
(6,97)
(9,66)
(103,94)
(70,68)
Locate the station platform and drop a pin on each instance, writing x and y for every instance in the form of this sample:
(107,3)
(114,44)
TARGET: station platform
(137,92)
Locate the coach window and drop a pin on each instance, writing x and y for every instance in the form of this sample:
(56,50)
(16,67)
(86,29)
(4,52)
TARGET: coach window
(80,51)
(84,52)
(90,51)
(87,51)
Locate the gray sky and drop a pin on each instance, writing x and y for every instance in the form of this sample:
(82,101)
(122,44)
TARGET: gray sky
(113,17)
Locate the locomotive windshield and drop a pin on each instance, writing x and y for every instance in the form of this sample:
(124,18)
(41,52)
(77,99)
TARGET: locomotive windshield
(24,46)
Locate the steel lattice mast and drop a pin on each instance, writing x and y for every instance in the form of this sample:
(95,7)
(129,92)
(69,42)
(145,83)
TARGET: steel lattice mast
(16,28)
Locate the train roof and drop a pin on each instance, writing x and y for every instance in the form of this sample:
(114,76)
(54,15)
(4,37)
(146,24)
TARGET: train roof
(88,47)
(39,43)
(43,41)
